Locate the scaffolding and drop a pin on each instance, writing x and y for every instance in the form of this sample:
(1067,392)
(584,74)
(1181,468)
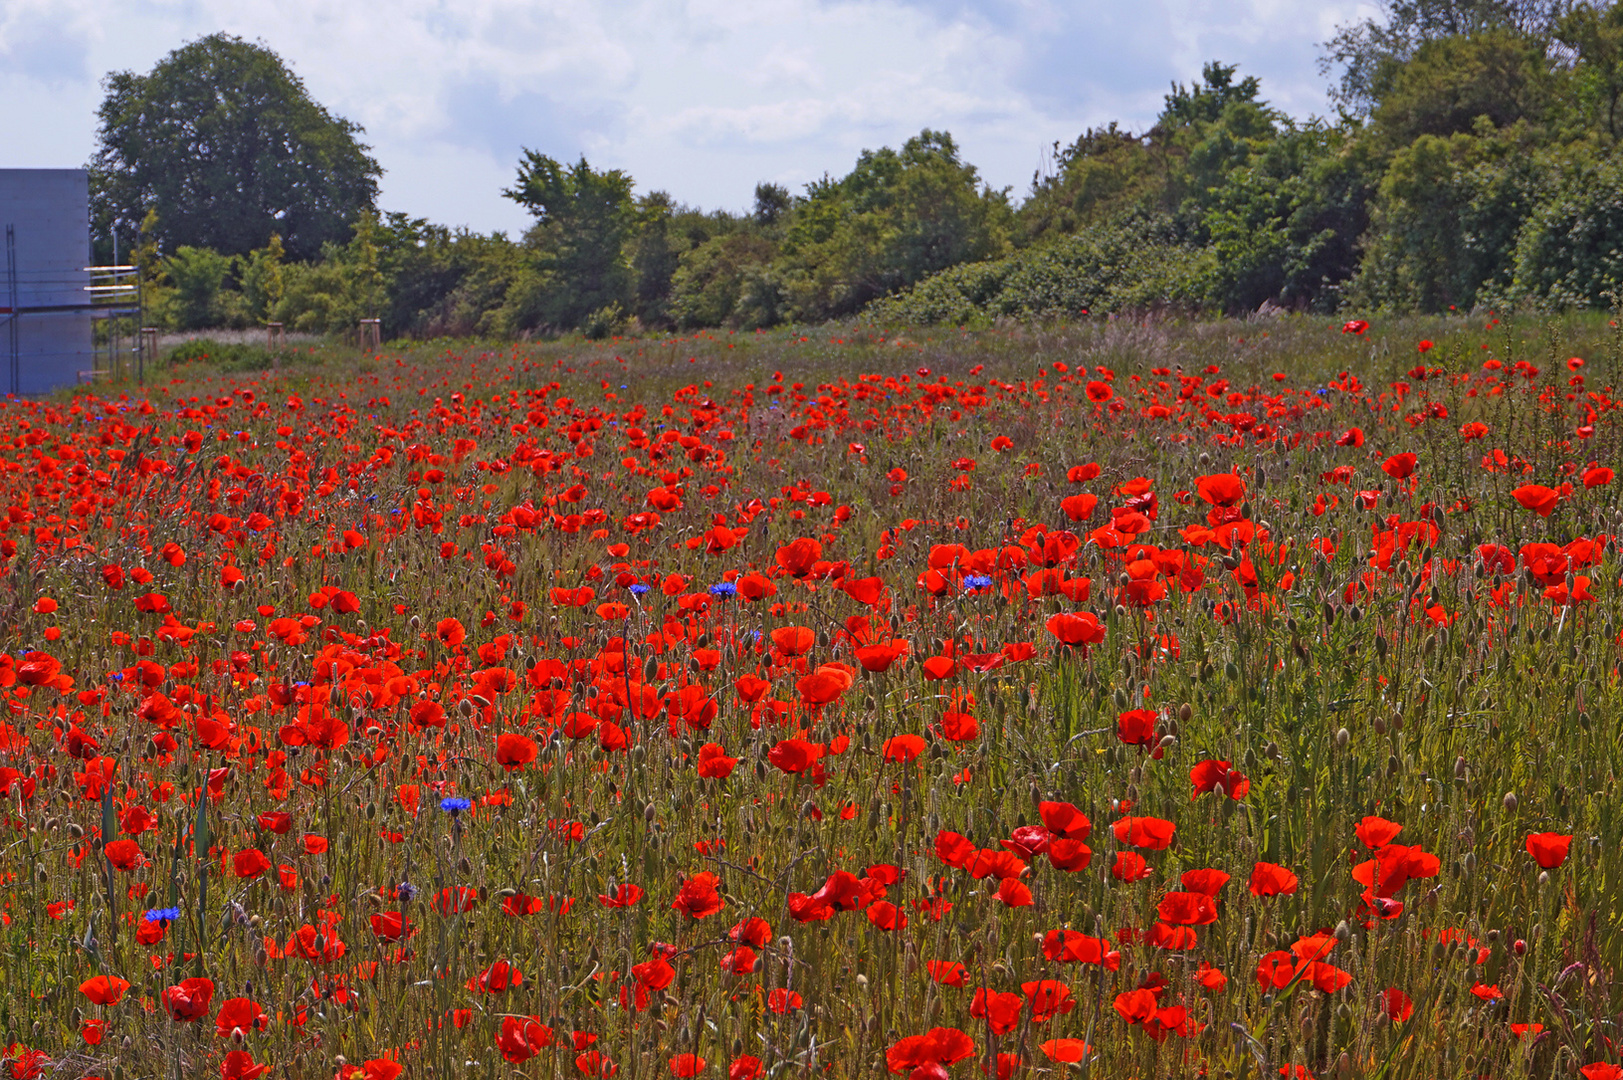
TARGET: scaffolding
(110,295)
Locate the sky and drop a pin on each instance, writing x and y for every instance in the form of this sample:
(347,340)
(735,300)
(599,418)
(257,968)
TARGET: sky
(699,98)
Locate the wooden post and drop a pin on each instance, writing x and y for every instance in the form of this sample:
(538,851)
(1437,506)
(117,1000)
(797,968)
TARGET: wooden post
(372,334)
(274,337)
(149,346)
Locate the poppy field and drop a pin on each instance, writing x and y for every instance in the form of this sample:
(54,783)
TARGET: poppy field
(1121,700)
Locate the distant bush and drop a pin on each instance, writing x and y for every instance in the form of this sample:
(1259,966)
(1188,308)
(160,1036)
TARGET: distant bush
(1568,251)
(1133,264)
(222,356)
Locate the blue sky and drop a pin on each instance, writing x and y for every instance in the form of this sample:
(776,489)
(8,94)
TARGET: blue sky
(701,98)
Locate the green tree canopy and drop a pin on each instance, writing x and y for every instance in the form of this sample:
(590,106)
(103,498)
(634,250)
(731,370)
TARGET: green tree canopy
(585,220)
(224,143)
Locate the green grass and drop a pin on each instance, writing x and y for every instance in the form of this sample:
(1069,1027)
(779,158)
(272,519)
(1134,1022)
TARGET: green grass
(1327,685)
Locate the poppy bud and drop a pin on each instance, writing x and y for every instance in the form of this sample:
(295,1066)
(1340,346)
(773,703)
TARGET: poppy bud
(1459,768)
(1543,878)
(1185,713)
(1510,802)
(1343,736)
(1343,932)
(1519,947)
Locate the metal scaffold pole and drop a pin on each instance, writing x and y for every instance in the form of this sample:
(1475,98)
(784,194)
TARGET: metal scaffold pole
(14,344)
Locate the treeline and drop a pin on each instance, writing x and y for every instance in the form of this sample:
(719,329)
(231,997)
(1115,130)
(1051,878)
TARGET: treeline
(1472,161)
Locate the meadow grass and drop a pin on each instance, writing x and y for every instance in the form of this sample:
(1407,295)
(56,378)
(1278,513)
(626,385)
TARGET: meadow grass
(348,589)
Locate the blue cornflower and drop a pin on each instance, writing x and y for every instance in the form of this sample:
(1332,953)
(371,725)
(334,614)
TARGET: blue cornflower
(637,589)
(724,589)
(162,914)
(406,890)
(451,806)
(975,582)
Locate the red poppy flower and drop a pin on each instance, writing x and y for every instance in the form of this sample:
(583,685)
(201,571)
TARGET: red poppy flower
(1078,630)
(522,1037)
(1537,498)
(390,925)
(1135,1006)
(1400,466)
(1275,971)
(698,896)
(1150,833)
(1210,774)
(249,863)
(1000,1011)
(123,854)
(189,1000)
(514,751)
(713,762)
(902,748)
(1079,507)
(237,1017)
(1268,879)
(1187,909)
(1130,867)
(795,755)
(1548,848)
(240,1065)
(1374,832)
(940,1047)
(686,1065)
(1136,727)
(825,685)
(1221,489)
(104,989)
(799,556)
(794,640)
(1207,882)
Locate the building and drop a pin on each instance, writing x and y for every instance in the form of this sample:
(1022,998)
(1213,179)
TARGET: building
(46,338)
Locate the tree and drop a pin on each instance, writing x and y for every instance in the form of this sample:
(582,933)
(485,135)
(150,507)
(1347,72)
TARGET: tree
(1596,37)
(897,217)
(585,220)
(1369,53)
(1498,74)
(223,142)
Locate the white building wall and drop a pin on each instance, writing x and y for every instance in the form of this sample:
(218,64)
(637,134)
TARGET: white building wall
(49,209)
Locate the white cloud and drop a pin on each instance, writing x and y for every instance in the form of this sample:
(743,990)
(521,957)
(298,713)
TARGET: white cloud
(702,98)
